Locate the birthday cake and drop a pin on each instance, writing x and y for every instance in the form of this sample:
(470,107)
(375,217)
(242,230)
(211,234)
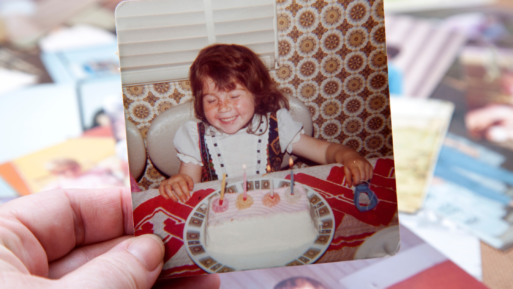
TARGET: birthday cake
(253,231)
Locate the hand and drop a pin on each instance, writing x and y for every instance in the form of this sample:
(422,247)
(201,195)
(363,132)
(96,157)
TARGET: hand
(356,168)
(177,187)
(79,239)
(495,122)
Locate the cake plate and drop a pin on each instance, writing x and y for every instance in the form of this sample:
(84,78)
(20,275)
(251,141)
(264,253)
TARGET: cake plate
(194,236)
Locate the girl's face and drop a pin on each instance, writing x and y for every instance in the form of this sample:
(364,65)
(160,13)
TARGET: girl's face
(227,111)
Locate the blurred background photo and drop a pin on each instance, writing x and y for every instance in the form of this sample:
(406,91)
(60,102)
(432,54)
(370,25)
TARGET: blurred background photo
(451,84)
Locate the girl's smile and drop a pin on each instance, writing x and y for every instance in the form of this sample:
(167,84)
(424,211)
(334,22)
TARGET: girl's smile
(228,111)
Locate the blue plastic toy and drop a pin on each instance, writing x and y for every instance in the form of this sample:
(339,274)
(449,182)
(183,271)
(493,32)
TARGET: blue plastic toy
(364,188)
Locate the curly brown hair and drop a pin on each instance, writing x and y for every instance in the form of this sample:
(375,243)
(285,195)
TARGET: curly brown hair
(228,64)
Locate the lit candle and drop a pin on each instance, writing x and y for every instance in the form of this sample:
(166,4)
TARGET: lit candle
(291,163)
(222,190)
(270,182)
(244,181)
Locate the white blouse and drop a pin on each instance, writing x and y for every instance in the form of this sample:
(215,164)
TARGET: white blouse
(234,150)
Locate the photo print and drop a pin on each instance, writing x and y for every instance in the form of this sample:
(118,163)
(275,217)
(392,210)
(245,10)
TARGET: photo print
(259,132)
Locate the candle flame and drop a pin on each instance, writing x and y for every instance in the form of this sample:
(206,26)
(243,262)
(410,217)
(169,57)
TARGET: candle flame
(291,162)
(244,166)
(268,168)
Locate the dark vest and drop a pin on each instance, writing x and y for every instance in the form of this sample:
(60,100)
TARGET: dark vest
(274,154)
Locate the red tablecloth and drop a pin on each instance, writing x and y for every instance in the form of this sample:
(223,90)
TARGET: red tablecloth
(167,219)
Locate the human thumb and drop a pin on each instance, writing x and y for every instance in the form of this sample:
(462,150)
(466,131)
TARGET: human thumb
(134,263)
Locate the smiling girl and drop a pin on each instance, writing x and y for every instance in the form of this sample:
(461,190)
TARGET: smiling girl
(244,120)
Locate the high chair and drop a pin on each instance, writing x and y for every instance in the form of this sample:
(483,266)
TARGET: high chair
(136,150)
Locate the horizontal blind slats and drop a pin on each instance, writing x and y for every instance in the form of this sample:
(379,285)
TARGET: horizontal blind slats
(165,73)
(247,38)
(262,48)
(244,13)
(144,8)
(228,4)
(142,48)
(159,59)
(163,33)
(154,75)
(243,26)
(159,40)
(162,20)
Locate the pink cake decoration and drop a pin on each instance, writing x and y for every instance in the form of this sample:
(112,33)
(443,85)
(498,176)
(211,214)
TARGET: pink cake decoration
(242,204)
(269,201)
(218,208)
(298,191)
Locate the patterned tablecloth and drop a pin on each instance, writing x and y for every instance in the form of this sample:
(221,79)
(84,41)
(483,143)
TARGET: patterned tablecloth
(154,214)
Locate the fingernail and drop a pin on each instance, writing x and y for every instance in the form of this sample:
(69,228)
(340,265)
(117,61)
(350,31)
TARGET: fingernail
(144,248)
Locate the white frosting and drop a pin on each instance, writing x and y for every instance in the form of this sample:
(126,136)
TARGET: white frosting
(251,238)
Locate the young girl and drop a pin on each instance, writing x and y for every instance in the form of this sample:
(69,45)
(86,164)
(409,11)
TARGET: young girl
(244,121)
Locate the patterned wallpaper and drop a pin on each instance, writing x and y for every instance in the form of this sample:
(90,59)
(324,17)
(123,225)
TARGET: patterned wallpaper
(332,56)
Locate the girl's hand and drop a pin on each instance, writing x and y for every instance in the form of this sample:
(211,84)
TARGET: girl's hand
(356,167)
(177,187)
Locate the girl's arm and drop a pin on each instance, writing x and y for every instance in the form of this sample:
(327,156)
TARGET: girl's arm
(180,185)
(356,167)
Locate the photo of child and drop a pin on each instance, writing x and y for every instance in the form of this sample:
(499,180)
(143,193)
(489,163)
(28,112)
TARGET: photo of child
(239,106)
(70,174)
(224,99)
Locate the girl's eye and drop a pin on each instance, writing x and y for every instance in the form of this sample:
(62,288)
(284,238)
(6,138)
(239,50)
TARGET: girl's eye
(235,96)
(211,100)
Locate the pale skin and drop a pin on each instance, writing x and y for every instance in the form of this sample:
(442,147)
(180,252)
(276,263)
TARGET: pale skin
(229,111)
(81,239)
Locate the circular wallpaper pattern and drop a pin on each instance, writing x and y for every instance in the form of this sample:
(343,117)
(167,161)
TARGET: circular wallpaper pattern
(332,16)
(307,91)
(353,142)
(378,60)
(376,103)
(355,62)
(354,84)
(332,65)
(374,142)
(358,12)
(356,38)
(352,126)
(331,109)
(353,106)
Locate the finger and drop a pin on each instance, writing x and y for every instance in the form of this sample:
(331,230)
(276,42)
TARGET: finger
(50,224)
(169,193)
(190,182)
(363,172)
(370,171)
(203,281)
(185,189)
(133,263)
(80,256)
(178,192)
(349,176)
(162,191)
(356,175)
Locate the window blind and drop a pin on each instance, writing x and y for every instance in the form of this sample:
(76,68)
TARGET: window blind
(159,39)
